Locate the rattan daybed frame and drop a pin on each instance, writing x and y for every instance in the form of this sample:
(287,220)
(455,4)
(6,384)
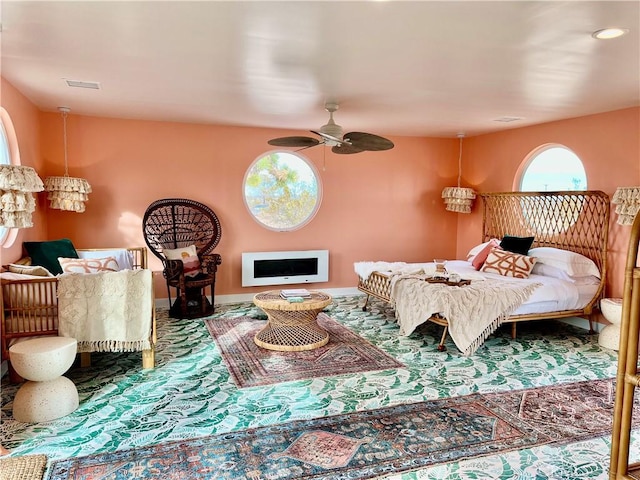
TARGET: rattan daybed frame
(23,316)
(575,221)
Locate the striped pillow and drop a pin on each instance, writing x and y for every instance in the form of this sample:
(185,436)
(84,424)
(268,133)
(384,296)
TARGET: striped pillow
(88,265)
(508,264)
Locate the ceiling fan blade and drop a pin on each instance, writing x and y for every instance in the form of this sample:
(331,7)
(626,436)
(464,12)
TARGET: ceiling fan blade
(294,142)
(346,149)
(369,141)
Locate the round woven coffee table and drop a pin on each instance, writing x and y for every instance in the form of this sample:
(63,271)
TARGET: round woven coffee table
(292,327)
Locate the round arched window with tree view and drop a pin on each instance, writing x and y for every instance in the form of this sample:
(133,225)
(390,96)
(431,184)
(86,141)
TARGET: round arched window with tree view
(282,190)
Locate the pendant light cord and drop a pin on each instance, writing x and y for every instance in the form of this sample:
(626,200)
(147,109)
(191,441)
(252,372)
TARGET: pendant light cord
(64,129)
(460,161)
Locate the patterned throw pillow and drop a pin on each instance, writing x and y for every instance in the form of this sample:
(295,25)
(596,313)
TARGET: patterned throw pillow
(189,257)
(88,265)
(508,264)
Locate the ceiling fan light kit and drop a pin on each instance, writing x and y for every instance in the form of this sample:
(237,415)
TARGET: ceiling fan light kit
(331,136)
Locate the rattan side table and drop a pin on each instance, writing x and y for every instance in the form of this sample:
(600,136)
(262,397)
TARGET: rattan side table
(292,327)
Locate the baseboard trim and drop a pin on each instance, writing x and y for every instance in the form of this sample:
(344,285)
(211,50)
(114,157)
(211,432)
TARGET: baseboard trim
(248,297)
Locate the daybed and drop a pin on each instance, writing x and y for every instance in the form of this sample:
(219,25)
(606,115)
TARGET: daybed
(32,306)
(560,222)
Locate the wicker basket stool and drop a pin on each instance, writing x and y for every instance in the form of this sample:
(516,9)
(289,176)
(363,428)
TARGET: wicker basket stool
(46,395)
(292,327)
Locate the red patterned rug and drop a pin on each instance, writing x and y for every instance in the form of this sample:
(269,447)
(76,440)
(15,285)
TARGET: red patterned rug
(372,443)
(251,365)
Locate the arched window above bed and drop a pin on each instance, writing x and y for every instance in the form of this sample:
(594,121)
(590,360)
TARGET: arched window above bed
(552,168)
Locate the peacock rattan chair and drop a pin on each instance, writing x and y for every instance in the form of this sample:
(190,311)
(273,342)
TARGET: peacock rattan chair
(172,223)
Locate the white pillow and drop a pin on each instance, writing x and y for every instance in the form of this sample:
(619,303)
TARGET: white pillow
(555,272)
(124,258)
(574,264)
(35,270)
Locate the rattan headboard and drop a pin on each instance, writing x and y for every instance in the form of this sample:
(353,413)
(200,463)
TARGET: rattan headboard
(575,221)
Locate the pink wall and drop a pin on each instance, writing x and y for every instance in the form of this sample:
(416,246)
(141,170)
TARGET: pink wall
(376,205)
(608,145)
(26,122)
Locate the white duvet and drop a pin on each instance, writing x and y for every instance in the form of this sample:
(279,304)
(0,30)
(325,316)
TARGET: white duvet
(552,295)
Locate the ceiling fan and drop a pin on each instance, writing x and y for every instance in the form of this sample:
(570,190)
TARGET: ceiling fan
(332,136)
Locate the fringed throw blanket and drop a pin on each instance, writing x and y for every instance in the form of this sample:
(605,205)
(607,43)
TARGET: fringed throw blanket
(106,311)
(472,311)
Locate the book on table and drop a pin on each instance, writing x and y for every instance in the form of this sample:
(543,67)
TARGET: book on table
(295,292)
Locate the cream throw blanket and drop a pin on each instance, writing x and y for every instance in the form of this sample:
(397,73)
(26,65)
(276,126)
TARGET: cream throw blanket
(473,311)
(106,311)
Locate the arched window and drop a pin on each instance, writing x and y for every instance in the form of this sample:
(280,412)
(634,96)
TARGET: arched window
(553,168)
(8,155)
(282,190)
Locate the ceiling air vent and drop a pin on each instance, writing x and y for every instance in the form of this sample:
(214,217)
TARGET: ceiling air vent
(81,84)
(507,119)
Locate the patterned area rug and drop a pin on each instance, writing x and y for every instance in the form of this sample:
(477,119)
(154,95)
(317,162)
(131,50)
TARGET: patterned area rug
(371,443)
(251,365)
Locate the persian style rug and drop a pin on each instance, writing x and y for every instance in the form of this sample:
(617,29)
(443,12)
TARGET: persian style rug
(251,365)
(370,443)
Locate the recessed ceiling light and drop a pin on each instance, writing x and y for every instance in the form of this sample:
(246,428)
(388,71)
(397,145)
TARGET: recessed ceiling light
(609,33)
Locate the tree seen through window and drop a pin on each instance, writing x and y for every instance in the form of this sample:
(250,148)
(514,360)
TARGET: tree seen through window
(282,191)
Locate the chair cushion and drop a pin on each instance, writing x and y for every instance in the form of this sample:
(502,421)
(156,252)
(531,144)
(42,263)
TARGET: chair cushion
(189,257)
(46,254)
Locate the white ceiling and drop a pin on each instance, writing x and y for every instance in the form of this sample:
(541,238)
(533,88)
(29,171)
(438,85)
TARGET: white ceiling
(395,67)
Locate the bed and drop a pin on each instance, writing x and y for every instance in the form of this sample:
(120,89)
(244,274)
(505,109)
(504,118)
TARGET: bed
(31,305)
(566,222)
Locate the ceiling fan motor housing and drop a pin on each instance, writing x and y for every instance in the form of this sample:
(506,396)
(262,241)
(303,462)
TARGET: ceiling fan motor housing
(331,128)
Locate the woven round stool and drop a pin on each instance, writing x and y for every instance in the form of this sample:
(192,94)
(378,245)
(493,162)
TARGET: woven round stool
(46,395)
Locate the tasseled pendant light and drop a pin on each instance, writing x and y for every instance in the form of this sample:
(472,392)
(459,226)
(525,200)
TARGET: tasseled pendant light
(67,193)
(17,185)
(627,201)
(459,199)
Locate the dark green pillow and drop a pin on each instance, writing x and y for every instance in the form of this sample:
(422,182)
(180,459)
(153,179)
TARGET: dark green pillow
(519,245)
(46,254)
